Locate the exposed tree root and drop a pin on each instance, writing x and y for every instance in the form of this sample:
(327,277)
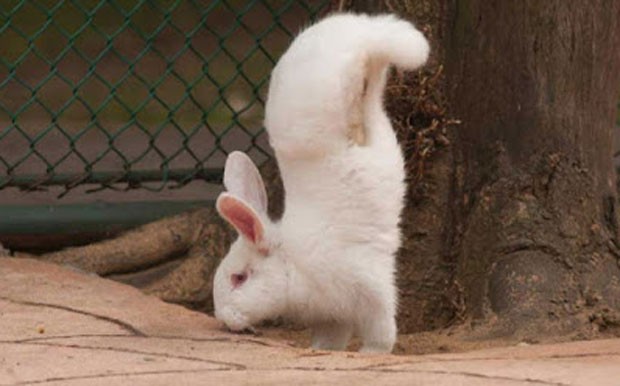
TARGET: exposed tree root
(173,258)
(145,246)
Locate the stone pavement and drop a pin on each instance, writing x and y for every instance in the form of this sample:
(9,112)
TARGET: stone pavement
(61,327)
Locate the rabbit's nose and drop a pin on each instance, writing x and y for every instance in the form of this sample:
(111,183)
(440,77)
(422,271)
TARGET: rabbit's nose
(237,279)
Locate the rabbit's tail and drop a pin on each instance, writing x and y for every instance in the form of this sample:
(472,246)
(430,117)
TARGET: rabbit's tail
(389,41)
(327,89)
(396,41)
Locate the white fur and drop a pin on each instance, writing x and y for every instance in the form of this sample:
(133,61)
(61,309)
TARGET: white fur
(330,261)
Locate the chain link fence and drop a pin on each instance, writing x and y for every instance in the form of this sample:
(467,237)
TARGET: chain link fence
(129,94)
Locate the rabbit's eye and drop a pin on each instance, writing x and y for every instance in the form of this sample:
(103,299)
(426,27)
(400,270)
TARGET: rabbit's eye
(238,278)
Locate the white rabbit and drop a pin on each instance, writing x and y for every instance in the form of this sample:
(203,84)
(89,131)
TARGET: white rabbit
(329,262)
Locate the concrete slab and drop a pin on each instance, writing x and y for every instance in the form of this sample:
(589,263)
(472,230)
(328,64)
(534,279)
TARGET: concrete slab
(62,327)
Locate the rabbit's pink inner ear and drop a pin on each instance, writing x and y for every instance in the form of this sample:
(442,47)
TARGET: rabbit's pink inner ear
(242,217)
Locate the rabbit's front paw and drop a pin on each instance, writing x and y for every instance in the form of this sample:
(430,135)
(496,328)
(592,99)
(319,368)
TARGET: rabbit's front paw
(379,334)
(331,336)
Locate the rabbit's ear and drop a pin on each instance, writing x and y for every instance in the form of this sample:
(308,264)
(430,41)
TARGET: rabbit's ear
(242,179)
(241,216)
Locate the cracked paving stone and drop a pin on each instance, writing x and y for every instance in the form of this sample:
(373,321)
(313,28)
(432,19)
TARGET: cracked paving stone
(61,327)
(46,321)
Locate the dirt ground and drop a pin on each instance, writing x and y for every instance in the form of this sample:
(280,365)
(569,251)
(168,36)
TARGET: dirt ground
(458,339)
(431,342)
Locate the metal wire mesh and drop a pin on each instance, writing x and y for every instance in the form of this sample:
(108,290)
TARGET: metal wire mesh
(111,92)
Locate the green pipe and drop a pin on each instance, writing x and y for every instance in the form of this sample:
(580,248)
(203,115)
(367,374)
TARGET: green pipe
(98,217)
(31,181)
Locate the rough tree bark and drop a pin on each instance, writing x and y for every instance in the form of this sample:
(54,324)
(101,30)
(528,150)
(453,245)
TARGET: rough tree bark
(535,217)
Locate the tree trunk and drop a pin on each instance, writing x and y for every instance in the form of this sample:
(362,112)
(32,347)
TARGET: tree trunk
(535,83)
(513,226)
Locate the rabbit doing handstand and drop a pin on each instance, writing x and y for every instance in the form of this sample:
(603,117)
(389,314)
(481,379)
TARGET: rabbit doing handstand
(329,262)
